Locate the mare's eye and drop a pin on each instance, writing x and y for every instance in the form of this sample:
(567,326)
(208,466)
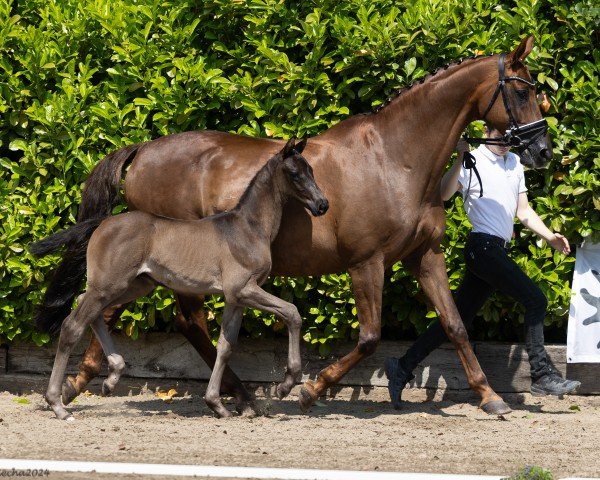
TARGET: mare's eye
(522,95)
(294,175)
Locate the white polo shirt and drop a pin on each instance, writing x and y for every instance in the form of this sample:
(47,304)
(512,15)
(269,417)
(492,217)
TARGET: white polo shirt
(503,180)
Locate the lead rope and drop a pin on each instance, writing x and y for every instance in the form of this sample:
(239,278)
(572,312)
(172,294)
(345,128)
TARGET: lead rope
(469,163)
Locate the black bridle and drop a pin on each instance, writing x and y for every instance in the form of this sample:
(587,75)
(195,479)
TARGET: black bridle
(519,137)
(516,136)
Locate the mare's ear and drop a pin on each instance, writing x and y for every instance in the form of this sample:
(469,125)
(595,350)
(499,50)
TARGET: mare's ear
(300,146)
(520,53)
(289,148)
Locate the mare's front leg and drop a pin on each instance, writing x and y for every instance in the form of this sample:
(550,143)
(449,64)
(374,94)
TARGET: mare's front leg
(255,297)
(430,270)
(90,366)
(367,285)
(191,322)
(230,328)
(72,329)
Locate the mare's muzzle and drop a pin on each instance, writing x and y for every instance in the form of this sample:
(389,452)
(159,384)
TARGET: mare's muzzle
(521,137)
(531,142)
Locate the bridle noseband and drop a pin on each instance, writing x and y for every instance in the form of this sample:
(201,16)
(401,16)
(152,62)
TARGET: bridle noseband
(517,136)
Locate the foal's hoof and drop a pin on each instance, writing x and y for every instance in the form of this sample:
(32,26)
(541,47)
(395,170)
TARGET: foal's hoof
(283,391)
(62,414)
(496,407)
(68,391)
(308,396)
(107,389)
(244,402)
(221,412)
(249,411)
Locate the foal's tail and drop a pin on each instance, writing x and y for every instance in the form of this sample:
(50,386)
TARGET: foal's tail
(99,197)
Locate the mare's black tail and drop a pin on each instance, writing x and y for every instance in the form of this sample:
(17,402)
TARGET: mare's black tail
(99,197)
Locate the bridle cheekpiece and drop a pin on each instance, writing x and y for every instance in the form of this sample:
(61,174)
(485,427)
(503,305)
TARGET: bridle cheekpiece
(516,136)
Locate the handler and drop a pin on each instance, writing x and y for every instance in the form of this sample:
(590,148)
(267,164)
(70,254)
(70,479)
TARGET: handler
(489,268)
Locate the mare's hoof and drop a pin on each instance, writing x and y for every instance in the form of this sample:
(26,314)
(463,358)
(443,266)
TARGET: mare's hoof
(496,407)
(68,391)
(70,418)
(307,397)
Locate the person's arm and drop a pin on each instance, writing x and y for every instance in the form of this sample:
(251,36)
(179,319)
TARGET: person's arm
(533,222)
(449,184)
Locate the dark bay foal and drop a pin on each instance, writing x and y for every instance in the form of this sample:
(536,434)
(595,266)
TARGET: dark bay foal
(130,254)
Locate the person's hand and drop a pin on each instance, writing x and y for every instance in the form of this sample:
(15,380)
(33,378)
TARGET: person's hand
(560,243)
(462,146)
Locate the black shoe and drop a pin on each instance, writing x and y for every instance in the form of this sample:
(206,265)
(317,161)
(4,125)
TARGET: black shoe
(397,380)
(553,384)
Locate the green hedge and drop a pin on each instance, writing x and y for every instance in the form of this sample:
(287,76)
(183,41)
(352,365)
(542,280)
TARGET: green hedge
(81,79)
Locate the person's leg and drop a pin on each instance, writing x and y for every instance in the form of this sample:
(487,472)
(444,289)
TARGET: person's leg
(500,271)
(470,297)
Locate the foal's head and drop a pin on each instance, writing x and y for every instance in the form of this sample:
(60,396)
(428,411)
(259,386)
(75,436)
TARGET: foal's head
(296,178)
(514,104)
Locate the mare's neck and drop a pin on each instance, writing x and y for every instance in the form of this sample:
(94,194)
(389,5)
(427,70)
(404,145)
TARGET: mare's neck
(262,203)
(420,128)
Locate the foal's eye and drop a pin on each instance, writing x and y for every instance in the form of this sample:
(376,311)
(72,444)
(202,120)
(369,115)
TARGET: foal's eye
(294,175)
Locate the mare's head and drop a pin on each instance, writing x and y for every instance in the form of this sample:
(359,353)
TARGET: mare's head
(510,106)
(297,180)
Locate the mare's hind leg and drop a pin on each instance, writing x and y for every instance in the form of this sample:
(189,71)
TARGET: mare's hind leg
(191,322)
(430,270)
(90,366)
(254,296)
(89,308)
(230,327)
(367,285)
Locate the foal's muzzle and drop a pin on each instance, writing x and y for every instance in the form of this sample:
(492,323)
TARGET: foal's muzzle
(320,207)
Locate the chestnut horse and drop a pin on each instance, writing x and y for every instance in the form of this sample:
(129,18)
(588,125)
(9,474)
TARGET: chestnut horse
(381,173)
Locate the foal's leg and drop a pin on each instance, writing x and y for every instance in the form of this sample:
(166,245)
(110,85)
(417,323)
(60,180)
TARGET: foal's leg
(230,328)
(430,270)
(191,322)
(116,364)
(90,366)
(367,286)
(71,331)
(254,296)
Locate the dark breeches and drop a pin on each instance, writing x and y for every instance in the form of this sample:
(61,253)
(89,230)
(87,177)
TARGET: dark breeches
(490,269)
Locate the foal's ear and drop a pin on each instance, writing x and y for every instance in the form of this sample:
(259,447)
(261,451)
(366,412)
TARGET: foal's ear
(289,148)
(520,53)
(300,146)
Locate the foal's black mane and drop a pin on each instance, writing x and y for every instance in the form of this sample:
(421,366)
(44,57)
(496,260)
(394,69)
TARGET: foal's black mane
(264,175)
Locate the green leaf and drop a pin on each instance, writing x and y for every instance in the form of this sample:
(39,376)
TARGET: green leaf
(410,65)
(18,144)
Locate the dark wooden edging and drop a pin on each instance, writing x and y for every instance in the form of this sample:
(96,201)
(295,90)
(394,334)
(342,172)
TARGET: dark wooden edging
(169,356)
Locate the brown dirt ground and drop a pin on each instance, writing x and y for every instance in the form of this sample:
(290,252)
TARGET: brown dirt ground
(355,430)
